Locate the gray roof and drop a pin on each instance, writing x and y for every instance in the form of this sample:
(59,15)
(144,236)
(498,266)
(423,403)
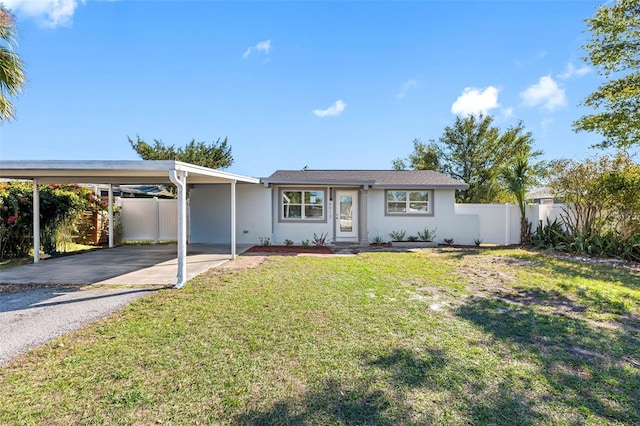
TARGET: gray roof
(428,179)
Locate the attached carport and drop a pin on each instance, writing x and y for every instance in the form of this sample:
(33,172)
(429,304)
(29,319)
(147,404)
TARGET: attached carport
(126,172)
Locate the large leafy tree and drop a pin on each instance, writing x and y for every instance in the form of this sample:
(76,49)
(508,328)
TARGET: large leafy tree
(12,77)
(216,155)
(614,50)
(424,157)
(476,151)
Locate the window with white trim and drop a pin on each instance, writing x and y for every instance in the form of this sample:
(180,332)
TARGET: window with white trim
(408,202)
(302,204)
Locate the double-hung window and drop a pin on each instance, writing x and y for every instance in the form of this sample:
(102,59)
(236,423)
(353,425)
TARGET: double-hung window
(302,204)
(409,202)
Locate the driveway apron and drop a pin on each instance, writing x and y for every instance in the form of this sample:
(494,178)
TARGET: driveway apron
(34,316)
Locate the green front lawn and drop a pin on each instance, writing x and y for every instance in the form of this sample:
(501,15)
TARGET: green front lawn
(432,337)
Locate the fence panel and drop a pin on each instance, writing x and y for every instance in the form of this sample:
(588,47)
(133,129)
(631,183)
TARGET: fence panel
(149,219)
(500,223)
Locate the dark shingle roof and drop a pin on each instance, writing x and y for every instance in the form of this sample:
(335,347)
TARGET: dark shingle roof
(374,178)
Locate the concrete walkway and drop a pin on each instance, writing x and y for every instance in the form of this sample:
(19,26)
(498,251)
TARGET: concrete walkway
(29,318)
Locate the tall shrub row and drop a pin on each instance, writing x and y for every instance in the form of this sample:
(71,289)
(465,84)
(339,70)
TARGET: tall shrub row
(60,208)
(602,208)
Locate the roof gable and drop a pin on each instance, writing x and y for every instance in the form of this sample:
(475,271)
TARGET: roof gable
(374,178)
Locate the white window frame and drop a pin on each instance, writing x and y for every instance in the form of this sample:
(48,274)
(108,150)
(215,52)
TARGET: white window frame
(302,218)
(407,201)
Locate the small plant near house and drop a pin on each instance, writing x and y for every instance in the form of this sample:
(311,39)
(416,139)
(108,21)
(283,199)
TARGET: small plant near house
(398,235)
(265,241)
(477,242)
(320,240)
(427,235)
(448,241)
(288,242)
(378,240)
(304,244)
(412,238)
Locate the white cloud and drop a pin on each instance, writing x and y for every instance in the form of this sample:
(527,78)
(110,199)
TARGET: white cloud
(474,101)
(507,112)
(335,109)
(49,13)
(546,93)
(571,71)
(406,87)
(263,46)
(546,124)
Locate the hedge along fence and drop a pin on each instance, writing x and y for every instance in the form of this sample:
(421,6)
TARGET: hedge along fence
(60,208)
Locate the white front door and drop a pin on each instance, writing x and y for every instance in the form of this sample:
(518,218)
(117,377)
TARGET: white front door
(347,214)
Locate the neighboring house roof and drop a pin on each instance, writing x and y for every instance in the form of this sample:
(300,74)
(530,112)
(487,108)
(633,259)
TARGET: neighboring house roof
(427,179)
(539,193)
(136,190)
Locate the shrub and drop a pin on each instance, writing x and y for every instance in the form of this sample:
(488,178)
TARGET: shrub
(398,235)
(378,240)
(288,242)
(304,244)
(321,240)
(551,235)
(60,208)
(265,241)
(427,235)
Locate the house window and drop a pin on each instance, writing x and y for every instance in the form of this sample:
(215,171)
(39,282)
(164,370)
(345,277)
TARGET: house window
(302,205)
(409,202)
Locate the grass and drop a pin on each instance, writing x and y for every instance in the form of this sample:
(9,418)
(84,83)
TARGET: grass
(432,337)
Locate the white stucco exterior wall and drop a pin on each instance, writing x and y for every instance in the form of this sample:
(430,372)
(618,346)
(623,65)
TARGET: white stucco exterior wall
(464,229)
(210,207)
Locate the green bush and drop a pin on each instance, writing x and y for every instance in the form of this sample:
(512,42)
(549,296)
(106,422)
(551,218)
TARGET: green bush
(60,207)
(553,236)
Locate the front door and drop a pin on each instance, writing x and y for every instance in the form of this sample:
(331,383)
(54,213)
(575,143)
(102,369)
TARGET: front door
(347,214)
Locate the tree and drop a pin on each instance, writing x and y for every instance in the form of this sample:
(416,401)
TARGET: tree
(602,207)
(475,151)
(424,157)
(614,50)
(12,77)
(517,178)
(216,155)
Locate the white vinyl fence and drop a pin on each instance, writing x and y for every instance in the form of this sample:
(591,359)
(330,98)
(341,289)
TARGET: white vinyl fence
(500,223)
(149,219)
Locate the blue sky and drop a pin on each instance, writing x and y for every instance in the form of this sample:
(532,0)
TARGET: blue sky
(323,84)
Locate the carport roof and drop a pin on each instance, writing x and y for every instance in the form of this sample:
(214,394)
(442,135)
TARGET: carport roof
(115,172)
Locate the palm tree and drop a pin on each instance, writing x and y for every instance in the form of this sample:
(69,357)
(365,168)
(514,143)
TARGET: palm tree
(11,67)
(519,176)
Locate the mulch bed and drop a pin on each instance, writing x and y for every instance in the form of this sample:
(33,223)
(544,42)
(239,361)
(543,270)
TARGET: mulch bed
(290,250)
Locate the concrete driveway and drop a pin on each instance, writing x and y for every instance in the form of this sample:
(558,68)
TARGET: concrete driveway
(32,317)
(129,264)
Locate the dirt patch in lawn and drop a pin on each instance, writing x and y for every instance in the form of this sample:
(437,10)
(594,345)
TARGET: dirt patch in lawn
(243,262)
